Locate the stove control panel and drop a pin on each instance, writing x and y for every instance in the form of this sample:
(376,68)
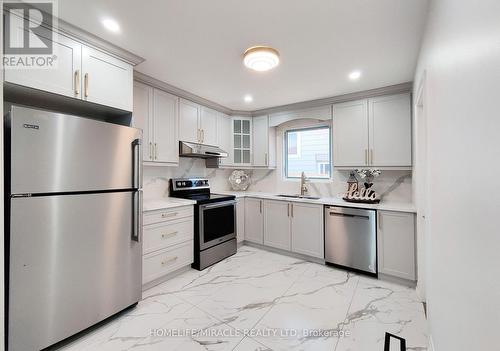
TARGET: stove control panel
(190,183)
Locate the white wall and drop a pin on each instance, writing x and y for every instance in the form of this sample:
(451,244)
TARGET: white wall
(461,58)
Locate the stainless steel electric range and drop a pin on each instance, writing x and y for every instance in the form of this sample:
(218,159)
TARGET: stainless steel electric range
(214,220)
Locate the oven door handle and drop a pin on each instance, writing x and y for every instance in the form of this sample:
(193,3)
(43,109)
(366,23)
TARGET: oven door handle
(218,204)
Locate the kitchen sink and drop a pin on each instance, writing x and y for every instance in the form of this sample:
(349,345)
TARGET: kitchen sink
(299,196)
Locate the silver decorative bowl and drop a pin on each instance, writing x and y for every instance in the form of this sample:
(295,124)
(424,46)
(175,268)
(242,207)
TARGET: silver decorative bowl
(239,180)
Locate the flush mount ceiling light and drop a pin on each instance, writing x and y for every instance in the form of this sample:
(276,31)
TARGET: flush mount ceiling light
(248,98)
(354,75)
(261,58)
(111,25)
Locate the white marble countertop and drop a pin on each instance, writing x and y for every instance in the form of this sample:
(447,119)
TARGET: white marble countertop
(334,201)
(164,203)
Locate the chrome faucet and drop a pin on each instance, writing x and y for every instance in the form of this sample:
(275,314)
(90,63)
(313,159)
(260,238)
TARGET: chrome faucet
(303,187)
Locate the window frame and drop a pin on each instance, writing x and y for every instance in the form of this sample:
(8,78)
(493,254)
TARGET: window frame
(285,150)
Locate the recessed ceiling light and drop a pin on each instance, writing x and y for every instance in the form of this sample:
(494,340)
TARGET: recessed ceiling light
(111,25)
(354,75)
(248,98)
(261,58)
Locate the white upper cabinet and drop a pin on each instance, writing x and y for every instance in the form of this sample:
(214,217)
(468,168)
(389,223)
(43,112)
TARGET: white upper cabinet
(142,117)
(373,132)
(208,126)
(165,111)
(277,224)
(64,79)
(242,140)
(350,134)
(260,141)
(307,229)
(79,72)
(157,114)
(188,122)
(390,130)
(224,138)
(107,80)
(198,124)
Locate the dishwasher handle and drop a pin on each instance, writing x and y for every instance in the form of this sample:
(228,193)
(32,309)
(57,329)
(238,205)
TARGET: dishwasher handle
(347,215)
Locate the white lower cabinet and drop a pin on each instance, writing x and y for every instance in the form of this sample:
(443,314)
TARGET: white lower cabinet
(277,224)
(396,244)
(307,229)
(162,262)
(160,235)
(167,242)
(294,226)
(240,220)
(254,220)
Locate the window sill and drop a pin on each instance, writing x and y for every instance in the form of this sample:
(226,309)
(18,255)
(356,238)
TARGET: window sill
(313,180)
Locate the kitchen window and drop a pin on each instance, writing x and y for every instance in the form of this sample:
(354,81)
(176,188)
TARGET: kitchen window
(308,150)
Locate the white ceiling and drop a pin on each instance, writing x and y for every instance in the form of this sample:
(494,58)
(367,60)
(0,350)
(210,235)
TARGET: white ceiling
(196,45)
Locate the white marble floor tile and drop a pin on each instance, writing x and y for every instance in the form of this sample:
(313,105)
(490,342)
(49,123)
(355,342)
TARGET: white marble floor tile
(248,344)
(258,300)
(310,315)
(195,330)
(128,329)
(379,307)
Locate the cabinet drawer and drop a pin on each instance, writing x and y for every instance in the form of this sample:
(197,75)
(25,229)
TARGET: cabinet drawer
(167,214)
(160,263)
(165,234)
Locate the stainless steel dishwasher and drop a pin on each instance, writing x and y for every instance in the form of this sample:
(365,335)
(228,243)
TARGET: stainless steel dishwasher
(351,238)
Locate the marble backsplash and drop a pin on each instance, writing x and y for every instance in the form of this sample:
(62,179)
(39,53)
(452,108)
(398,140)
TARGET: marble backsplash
(394,186)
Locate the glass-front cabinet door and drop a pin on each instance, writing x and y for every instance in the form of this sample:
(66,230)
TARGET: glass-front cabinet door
(242,140)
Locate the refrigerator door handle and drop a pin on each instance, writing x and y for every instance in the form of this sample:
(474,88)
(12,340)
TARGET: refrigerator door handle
(137,216)
(137,163)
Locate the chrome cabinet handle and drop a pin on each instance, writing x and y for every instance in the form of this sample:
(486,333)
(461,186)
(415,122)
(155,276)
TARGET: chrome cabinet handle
(371,156)
(170,214)
(266,159)
(169,260)
(379,220)
(202,135)
(260,206)
(150,150)
(77,82)
(86,85)
(156,151)
(169,235)
(288,210)
(292,209)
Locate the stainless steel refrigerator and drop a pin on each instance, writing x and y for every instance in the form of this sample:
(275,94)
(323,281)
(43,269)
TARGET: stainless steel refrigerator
(74,208)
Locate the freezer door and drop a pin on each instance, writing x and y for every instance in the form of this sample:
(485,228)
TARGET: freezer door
(74,260)
(53,152)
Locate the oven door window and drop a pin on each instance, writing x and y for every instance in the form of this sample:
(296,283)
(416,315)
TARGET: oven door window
(218,222)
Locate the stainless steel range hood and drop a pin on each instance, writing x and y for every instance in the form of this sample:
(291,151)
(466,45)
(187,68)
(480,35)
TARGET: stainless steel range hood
(187,149)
